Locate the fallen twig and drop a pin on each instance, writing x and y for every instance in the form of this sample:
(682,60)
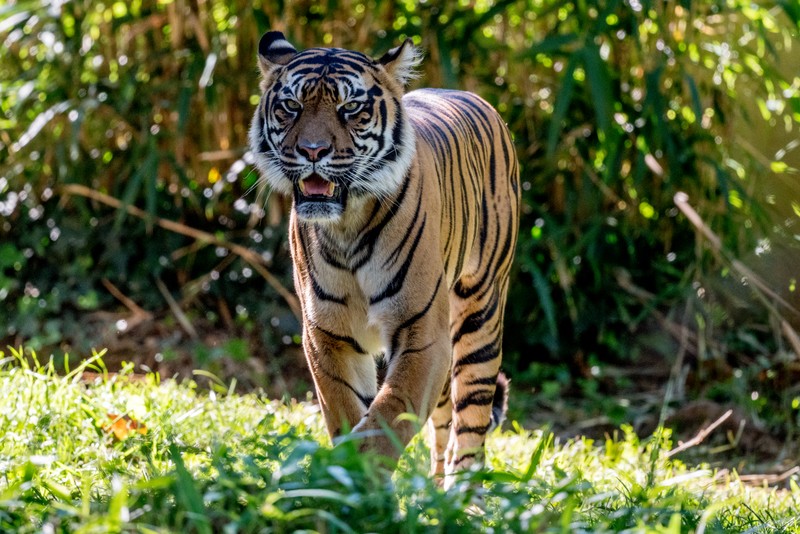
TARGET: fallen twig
(701,435)
(757,479)
(135,309)
(186,324)
(791,336)
(769,479)
(680,332)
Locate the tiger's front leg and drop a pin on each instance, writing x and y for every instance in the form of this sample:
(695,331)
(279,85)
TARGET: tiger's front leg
(344,376)
(419,360)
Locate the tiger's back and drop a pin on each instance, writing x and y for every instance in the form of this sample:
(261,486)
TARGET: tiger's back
(478,179)
(402,232)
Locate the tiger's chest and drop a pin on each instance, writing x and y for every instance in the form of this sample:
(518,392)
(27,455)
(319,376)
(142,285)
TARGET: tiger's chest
(368,278)
(339,295)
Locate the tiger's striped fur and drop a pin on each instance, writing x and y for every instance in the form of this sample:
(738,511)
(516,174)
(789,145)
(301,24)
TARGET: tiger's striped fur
(402,233)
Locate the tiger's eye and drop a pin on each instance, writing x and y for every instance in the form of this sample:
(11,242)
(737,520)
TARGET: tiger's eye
(292,105)
(351,106)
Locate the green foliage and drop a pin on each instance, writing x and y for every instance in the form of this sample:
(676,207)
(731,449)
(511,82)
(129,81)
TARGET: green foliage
(106,96)
(615,106)
(633,113)
(220,462)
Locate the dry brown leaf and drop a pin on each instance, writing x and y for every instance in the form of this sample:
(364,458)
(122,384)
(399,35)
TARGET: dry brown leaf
(122,426)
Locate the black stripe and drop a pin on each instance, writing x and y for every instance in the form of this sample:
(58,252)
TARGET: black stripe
(486,381)
(396,284)
(480,397)
(327,255)
(484,220)
(321,294)
(263,144)
(395,255)
(344,339)
(465,457)
(366,400)
(487,353)
(366,244)
(397,133)
(416,351)
(305,63)
(414,318)
(476,320)
(481,430)
(493,169)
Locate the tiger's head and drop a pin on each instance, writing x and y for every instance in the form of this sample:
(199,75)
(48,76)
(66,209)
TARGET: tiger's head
(330,127)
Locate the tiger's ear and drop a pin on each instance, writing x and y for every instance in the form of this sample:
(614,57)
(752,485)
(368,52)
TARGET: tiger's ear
(402,61)
(274,50)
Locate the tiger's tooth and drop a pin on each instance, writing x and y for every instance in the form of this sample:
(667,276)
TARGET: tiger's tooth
(331,189)
(303,186)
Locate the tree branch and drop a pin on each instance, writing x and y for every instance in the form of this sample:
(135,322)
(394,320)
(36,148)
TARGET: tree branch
(255,260)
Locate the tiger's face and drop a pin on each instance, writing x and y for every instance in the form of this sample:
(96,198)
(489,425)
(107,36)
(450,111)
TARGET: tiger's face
(330,128)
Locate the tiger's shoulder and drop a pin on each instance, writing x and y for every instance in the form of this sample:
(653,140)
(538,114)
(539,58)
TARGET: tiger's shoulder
(427,102)
(449,114)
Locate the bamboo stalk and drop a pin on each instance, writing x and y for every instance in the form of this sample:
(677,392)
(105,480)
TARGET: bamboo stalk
(762,290)
(682,202)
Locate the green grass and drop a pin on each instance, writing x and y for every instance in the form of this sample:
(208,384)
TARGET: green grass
(209,460)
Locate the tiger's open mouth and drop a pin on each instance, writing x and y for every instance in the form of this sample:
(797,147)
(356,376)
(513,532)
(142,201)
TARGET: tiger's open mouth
(318,199)
(315,187)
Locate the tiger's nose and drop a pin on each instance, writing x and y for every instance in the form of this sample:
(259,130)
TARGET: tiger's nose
(313,151)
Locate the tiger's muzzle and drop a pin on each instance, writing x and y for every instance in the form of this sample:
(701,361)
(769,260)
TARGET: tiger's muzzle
(318,199)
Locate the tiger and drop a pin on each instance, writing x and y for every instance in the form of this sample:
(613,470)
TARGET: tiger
(402,232)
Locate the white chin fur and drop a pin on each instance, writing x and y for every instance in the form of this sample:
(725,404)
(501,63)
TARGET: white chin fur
(318,213)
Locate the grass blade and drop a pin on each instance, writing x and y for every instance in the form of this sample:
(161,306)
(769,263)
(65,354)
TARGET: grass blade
(188,495)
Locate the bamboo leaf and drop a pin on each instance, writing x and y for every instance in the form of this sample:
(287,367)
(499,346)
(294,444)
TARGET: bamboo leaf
(262,21)
(152,186)
(445,62)
(551,44)
(599,81)
(536,456)
(696,105)
(792,10)
(184,100)
(134,186)
(546,302)
(563,100)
